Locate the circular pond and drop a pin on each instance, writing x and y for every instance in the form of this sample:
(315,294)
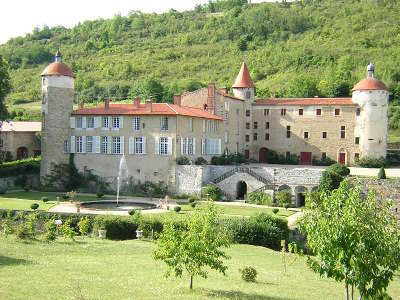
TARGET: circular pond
(123,205)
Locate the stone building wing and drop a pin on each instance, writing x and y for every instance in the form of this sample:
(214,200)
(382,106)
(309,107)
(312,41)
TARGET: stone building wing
(305,102)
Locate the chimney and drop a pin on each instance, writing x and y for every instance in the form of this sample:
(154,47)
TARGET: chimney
(80,105)
(211,97)
(107,104)
(177,99)
(148,105)
(136,103)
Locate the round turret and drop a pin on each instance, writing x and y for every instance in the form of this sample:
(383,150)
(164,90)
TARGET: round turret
(371,125)
(243,87)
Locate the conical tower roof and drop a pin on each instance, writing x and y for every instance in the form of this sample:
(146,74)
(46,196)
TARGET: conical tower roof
(243,80)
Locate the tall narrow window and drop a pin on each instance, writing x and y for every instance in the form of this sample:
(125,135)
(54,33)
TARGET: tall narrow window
(300,112)
(357,140)
(79,144)
(356,156)
(163,146)
(267,136)
(164,123)
(306,134)
(139,145)
(358,111)
(104,144)
(255,125)
(287,131)
(288,155)
(90,122)
(65,146)
(283,111)
(266,125)
(191,124)
(116,145)
(255,136)
(342,132)
(247,138)
(78,122)
(136,123)
(247,113)
(190,146)
(116,122)
(324,135)
(247,125)
(323,156)
(337,111)
(105,122)
(89,144)
(318,111)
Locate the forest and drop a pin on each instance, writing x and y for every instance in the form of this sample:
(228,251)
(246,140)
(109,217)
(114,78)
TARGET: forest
(292,49)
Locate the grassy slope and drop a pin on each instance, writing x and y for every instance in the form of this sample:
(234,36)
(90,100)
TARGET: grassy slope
(93,269)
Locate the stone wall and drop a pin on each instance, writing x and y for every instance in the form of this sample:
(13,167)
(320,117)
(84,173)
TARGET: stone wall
(188,179)
(33,180)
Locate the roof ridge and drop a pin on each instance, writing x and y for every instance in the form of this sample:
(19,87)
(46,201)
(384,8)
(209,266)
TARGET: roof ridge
(172,108)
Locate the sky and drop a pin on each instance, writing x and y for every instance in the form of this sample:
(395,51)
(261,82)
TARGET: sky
(18,17)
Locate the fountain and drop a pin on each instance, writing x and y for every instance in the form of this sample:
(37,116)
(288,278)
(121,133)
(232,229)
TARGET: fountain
(123,174)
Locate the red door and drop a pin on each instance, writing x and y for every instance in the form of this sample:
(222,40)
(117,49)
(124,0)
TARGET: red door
(305,158)
(262,157)
(247,154)
(342,158)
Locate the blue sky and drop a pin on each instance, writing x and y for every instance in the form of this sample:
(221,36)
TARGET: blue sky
(18,17)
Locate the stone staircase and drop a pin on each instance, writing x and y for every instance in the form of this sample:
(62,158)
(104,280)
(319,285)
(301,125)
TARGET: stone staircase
(242,170)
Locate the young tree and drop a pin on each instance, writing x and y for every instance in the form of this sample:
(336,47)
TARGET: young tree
(355,239)
(195,245)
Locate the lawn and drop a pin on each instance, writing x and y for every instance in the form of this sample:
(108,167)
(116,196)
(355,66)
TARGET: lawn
(102,269)
(394,136)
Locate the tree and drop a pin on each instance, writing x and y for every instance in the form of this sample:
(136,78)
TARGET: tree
(355,239)
(194,245)
(5,86)
(382,173)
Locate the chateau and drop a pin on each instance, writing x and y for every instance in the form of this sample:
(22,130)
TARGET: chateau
(205,123)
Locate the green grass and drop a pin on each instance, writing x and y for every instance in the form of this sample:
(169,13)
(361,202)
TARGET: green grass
(96,269)
(394,136)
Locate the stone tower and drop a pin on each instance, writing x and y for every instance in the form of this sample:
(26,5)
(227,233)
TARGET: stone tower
(372,120)
(57,105)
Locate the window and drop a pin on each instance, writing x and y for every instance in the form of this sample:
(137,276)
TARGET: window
(266,125)
(356,156)
(237,111)
(300,112)
(79,144)
(43,99)
(337,111)
(323,156)
(255,136)
(89,144)
(255,125)
(139,145)
(105,122)
(248,94)
(212,126)
(247,125)
(164,123)
(116,122)
(116,145)
(287,131)
(226,137)
(163,146)
(358,111)
(90,122)
(213,146)
(318,112)
(267,136)
(191,124)
(306,134)
(342,132)
(65,146)
(136,123)
(247,113)
(104,144)
(324,135)
(78,122)
(283,111)
(183,146)
(266,112)
(357,140)
(247,138)
(43,120)
(288,155)
(190,146)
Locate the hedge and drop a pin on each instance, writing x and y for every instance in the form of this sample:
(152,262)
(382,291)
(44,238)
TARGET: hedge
(20,167)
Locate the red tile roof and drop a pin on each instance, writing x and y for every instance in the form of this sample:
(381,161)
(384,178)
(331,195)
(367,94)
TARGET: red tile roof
(243,79)
(370,83)
(20,126)
(229,96)
(305,101)
(165,109)
(57,68)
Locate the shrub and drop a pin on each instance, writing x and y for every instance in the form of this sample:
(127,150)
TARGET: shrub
(67,230)
(131,212)
(329,181)
(193,204)
(323,162)
(283,197)
(21,180)
(260,198)
(214,192)
(382,173)
(34,206)
(286,205)
(51,231)
(193,198)
(182,160)
(26,188)
(118,227)
(84,226)
(45,199)
(99,195)
(275,210)
(274,157)
(248,274)
(231,159)
(200,161)
(339,169)
(24,232)
(261,229)
(371,162)
(177,209)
